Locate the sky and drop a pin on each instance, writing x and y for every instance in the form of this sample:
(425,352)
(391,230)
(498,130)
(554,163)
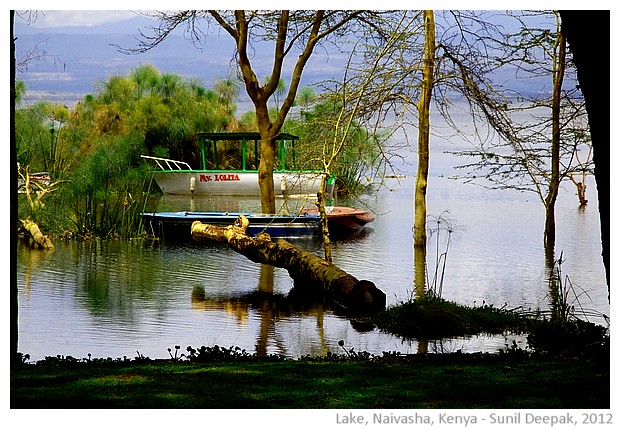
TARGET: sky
(69,16)
(58,18)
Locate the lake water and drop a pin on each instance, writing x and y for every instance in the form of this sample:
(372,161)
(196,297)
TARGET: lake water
(115,299)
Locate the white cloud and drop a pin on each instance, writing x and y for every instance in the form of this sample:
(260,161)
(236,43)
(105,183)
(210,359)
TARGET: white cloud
(59,18)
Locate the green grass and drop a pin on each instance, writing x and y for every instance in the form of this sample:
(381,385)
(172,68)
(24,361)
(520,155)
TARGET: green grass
(509,380)
(432,317)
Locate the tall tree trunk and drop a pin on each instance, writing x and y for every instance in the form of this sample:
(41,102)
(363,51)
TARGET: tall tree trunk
(554,184)
(586,29)
(327,245)
(419,225)
(260,94)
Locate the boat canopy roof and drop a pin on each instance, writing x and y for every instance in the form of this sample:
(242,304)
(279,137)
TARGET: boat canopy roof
(243,136)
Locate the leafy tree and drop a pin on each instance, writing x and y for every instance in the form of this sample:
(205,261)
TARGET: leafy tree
(291,32)
(39,137)
(145,78)
(142,112)
(20,90)
(305,98)
(227,90)
(95,148)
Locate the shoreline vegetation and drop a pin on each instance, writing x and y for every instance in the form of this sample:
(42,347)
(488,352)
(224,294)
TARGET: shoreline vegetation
(566,365)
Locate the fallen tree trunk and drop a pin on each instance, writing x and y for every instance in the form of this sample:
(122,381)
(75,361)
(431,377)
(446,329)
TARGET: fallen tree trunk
(306,269)
(39,239)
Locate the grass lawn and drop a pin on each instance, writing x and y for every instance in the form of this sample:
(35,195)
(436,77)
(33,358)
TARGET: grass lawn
(415,382)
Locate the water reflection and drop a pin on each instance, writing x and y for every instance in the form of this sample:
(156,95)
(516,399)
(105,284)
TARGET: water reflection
(114,298)
(273,309)
(33,261)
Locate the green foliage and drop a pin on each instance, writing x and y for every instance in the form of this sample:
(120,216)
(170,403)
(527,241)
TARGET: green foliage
(105,189)
(320,136)
(432,317)
(248,121)
(569,338)
(20,90)
(38,138)
(216,353)
(95,148)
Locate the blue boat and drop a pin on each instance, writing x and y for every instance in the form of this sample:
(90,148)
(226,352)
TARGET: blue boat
(176,226)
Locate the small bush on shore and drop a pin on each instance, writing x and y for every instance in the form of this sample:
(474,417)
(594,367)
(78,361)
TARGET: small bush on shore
(432,317)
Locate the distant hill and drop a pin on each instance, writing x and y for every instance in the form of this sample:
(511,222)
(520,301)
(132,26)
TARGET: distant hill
(127,26)
(79,58)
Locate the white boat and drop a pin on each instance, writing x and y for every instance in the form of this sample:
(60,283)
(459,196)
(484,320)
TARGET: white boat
(230,167)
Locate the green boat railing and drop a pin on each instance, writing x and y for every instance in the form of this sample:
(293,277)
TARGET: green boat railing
(209,149)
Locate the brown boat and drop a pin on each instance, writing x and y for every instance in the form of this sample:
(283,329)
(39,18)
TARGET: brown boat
(344,219)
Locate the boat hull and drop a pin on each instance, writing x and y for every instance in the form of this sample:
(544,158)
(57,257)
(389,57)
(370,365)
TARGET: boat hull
(177,225)
(219,182)
(343,219)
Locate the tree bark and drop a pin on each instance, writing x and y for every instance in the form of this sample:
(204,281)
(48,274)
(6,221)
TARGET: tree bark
(419,225)
(559,63)
(265,174)
(327,244)
(307,270)
(40,240)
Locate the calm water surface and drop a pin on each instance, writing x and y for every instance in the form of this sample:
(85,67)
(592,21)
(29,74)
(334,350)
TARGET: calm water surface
(117,299)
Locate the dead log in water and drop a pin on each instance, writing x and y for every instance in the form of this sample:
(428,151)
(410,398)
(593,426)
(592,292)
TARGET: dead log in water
(38,238)
(306,269)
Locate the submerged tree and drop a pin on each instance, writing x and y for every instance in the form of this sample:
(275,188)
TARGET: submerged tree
(340,142)
(537,147)
(558,68)
(421,179)
(413,70)
(431,62)
(539,134)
